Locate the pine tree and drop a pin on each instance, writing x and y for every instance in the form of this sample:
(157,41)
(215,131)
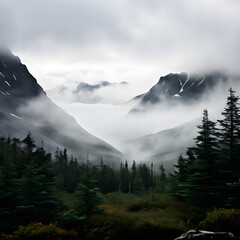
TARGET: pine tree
(145,175)
(72,175)
(162,179)
(15,145)
(30,145)
(138,184)
(229,166)
(201,180)
(230,137)
(37,201)
(88,194)
(8,187)
(132,177)
(124,176)
(179,178)
(206,142)
(59,168)
(107,180)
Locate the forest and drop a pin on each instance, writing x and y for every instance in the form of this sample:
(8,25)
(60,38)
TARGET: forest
(56,196)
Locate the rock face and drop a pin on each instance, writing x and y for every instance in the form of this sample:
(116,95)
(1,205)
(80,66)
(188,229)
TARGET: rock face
(201,235)
(182,87)
(24,107)
(17,85)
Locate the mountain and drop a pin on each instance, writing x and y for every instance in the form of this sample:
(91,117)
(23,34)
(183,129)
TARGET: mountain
(87,93)
(164,146)
(24,107)
(92,87)
(180,88)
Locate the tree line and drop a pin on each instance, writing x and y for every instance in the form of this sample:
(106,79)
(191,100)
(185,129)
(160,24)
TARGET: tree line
(31,181)
(209,175)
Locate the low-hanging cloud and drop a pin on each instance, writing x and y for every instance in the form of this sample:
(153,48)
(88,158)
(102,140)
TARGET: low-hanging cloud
(127,131)
(135,41)
(79,92)
(158,36)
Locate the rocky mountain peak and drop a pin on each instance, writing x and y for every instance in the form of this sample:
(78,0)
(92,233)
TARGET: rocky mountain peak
(24,107)
(182,86)
(16,83)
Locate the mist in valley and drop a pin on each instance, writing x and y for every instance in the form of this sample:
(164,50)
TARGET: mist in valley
(159,132)
(98,41)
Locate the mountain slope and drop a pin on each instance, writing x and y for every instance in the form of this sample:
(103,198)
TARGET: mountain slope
(180,88)
(24,107)
(164,146)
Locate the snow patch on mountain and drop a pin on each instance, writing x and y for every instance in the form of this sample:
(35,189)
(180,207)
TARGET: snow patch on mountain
(14,77)
(3,64)
(3,93)
(13,115)
(7,83)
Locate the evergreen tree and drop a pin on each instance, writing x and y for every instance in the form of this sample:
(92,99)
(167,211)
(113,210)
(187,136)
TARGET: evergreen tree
(230,137)
(107,180)
(196,178)
(206,142)
(15,145)
(163,178)
(72,175)
(30,145)
(152,182)
(59,169)
(138,184)
(8,187)
(37,199)
(145,175)
(179,178)
(132,177)
(124,175)
(202,180)
(88,194)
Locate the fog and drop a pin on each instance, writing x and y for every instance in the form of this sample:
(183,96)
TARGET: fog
(127,132)
(68,42)
(119,40)
(99,92)
(50,124)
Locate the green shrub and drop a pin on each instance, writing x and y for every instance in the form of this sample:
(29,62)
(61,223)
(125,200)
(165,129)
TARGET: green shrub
(71,219)
(222,220)
(38,231)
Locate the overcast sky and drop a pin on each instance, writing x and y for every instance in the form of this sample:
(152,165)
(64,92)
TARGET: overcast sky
(121,40)
(137,41)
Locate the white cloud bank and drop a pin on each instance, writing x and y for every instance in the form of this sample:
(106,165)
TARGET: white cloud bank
(134,41)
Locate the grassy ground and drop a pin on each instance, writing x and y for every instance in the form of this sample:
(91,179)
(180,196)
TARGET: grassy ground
(128,216)
(162,211)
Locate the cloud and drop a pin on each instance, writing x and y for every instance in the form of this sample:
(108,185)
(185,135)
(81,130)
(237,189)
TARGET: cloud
(79,92)
(136,41)
(177,35)
(114,125)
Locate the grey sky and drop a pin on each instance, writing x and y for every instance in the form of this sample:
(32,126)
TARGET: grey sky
(121,40)
(70,41)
